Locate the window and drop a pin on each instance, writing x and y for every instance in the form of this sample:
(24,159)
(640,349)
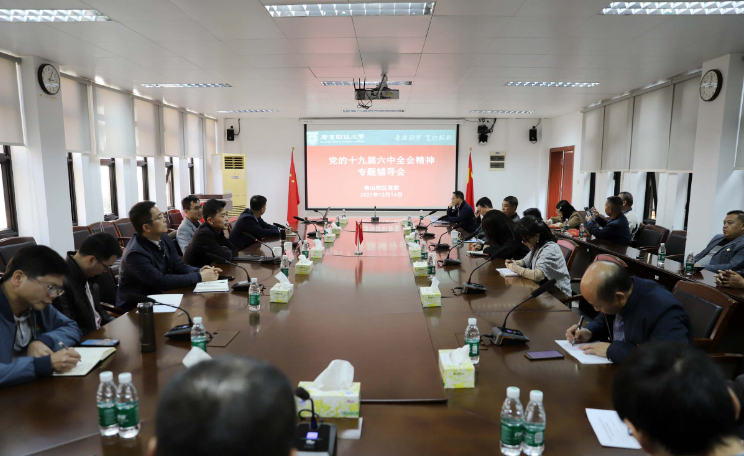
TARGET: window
(169,184)
(8,215)
(592,185)
(143,188)
(618,177)
(108,188)
(649,208)
(191,176)
(71,179)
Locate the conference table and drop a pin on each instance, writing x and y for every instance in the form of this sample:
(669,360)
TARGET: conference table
(364,309)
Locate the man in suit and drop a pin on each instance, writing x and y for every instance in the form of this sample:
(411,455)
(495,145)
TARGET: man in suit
(81,301)
(150,264)
(509,207)
(250,226)
(615,229)
(725,251)
(482,206)
(460,211)
(193,210)
(629,213)
(210,237)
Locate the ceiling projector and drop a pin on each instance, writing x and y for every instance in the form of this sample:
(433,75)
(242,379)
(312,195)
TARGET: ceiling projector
(366,96)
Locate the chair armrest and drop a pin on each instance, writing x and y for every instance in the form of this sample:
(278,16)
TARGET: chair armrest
(113,310)
(734,359)
(576,280)
(648,249)
(679,257)
(703,342)
(571,299)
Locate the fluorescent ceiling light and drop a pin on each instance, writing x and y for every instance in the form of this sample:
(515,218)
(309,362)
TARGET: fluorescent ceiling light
(550,84)
(500,111)
(185,86)
(246,110)
(367,83)
(23,15)
(674,8)
(374,110)
(352,9)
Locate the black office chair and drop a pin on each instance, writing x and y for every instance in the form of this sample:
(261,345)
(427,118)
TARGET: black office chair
(9,247)
(675,245)
(709,311)
(651,238)
(79,235)
(174,237)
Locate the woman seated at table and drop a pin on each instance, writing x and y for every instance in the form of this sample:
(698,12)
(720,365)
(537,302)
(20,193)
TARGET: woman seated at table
(545,260)
(501,240)
(567,215)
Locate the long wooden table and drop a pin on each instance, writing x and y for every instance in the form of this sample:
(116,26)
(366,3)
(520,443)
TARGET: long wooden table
(363,309)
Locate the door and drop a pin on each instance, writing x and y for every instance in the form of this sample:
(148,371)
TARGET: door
(560,177)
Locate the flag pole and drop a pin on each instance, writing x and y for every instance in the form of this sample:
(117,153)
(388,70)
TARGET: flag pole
(356,239)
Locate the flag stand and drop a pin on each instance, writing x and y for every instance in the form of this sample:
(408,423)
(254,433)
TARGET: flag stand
(357,240)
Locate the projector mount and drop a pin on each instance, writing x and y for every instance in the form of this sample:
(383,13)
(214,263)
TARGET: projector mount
(365,96)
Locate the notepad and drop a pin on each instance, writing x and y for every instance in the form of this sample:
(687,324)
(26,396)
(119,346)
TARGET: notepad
(506,272)
(610,429)
(89,359)
(582,357)
(172,299)
(216,286)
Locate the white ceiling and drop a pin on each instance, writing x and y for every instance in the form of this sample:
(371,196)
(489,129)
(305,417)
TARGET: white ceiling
(458,59)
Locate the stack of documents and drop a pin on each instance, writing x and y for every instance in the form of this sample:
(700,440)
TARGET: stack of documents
(212,287)
(506,272)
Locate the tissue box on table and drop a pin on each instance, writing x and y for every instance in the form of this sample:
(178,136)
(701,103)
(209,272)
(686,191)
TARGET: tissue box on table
(414,251)
(329,237)
(304,267)
(460,375)
(406,230)
(431,297)
(419,268)
(281,295)
(332,404)
(411,237)
(316,253)
(336,229)
(344,221)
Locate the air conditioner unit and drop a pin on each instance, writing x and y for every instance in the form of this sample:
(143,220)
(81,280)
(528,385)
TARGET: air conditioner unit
(228,175)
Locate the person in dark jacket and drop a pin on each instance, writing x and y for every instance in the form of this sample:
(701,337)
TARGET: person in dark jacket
(509,208)
(250,226)
(725,251)
(81,302)
(460,211)
(616,229)
(210,237)
(501,241)
(150,264)
(632,311)
(33,334)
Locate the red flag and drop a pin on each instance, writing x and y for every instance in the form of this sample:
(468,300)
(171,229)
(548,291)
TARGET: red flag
(469,196)
(294,193)
(359,236)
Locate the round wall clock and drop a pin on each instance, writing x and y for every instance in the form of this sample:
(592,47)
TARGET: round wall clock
(710,85)
(49,79)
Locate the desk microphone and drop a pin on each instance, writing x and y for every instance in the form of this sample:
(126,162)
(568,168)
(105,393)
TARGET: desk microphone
(503,336)
(421,227)
(475,288)
(375,218)
(451,261)
(178,332)
(314,233)
(287,227)
(265,259)
(439,244)
(238,286)
(313,438)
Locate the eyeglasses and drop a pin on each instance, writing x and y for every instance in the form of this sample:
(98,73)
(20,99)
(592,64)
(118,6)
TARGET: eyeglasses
(159,218)
(51,290)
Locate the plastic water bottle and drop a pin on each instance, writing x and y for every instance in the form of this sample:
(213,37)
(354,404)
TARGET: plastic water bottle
(424,250)
(285,266)
(106,399)
(343,214)
(421,217)
(431,268)
(472,338)
(199,334)
(305,249)
(582,232)
(410,221)
(533,443)
(512,416)
(254,302)
(416,238)
(661,256)
(127,407)
(690,264)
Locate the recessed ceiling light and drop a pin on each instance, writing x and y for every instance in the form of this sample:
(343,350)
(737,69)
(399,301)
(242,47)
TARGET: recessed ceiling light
(500,111)
(374,110)
(550,84)
(24,15)
(246,110)
(368,83)
(185,86)
(352,9)
(674,8)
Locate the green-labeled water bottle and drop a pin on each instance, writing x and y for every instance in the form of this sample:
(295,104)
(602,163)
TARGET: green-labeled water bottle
(199,334)
(127,407)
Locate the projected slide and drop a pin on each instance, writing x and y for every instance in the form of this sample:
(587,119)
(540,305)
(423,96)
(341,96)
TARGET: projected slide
(410,167)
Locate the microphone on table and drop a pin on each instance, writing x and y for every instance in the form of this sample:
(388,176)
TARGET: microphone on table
(178,332)
(439,244)
(314,233)
(287,227)
(375,218)
(421,227)
(451,261)
(265,259)
(238,286)
(500,335)
(313,438)
(475,288)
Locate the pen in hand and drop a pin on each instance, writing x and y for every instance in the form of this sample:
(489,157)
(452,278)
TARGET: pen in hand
(581,322)
(62,344)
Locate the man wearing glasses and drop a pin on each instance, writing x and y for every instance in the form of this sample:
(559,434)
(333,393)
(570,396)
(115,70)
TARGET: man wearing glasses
(34,336)
(210,237)
(193,210)
(81,302)
(150,263)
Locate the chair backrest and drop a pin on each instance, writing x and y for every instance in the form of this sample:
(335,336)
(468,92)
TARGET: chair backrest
(125,227)
(174,236)
(709,311)
(569,249)
(649,237)
(659,229)
(582,214)
(175,217)
(79,235)
(611,259)
(9,247)
(675,244)
(231,225)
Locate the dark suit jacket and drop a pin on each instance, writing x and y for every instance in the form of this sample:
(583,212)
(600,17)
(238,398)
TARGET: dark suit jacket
(207,240)
(74,303)
(147,269)
(248,228)
(464,213)
(616,230)
(731,255)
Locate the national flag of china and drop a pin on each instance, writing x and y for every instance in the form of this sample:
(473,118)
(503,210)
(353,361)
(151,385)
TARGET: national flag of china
(294,194)
(359,236)
(470,194)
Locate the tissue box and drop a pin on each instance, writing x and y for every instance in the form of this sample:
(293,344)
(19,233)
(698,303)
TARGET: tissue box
(414,252)
(336,230)
(411,237)
(344,221)
(332,404)
(316,253)
(455,376)
(279,295)
(403,221)
(406,230)
(431,297)
(303,268)
(419,268)
(329,238)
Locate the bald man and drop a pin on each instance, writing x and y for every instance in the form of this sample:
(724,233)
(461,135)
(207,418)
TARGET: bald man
(632,311)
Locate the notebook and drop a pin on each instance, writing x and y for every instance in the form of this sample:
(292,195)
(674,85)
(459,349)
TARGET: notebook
(506,272)
(89,359)
(216,286)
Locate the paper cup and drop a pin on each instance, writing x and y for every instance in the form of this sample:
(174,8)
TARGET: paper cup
(455,235)
(287,246)
(277,251)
